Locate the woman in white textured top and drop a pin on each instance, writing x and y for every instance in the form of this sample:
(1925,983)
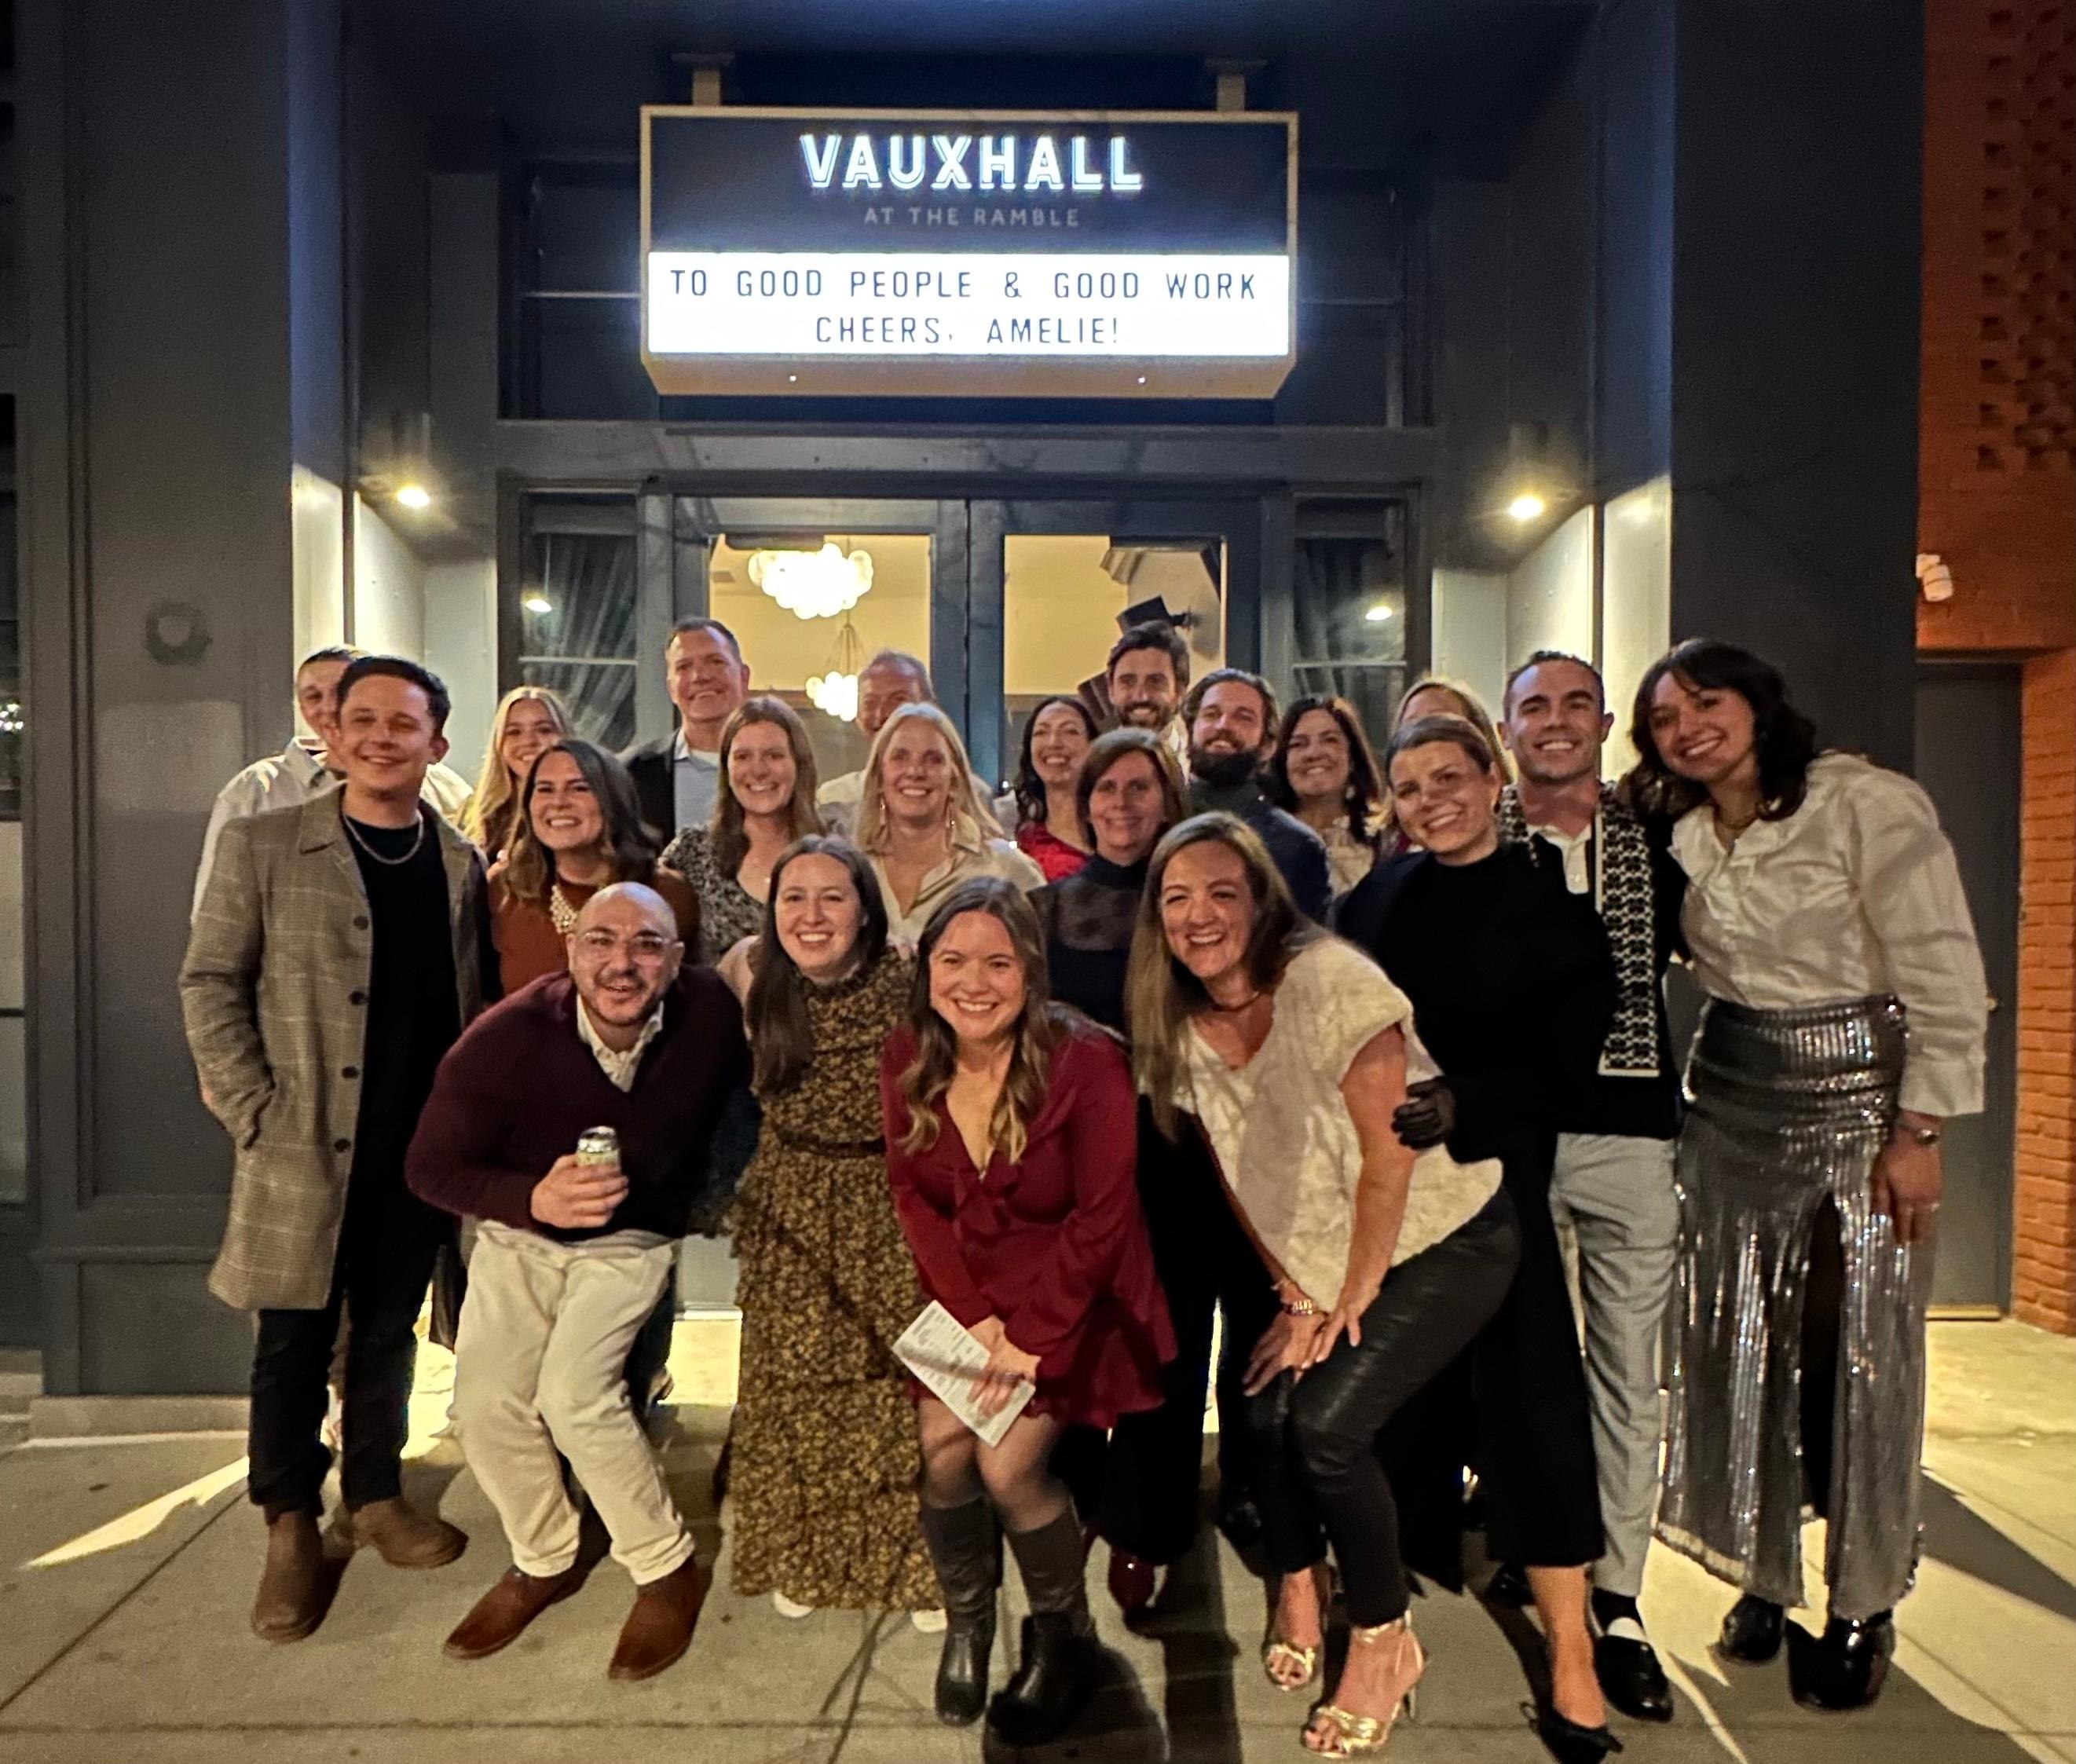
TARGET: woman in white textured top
(1294,1051)
(922,827)
(1825,919)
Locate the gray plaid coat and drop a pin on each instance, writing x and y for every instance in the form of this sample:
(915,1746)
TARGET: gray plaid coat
(274,992)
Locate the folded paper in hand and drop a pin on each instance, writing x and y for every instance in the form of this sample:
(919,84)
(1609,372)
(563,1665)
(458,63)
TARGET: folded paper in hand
(947,1357)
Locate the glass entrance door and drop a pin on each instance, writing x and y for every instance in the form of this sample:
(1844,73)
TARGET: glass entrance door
(1007,602)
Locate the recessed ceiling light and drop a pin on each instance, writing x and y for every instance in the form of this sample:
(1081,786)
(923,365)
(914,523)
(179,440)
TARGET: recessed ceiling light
(1527,506)
(414,496)
(1379,613)
(538,602)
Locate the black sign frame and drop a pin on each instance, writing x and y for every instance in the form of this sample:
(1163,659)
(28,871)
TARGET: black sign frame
(1035,375)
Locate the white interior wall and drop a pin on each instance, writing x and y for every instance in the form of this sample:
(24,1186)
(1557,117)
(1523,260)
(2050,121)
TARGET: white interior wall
(1470,634)
(1549,596)
(1636,604)
(460,601)
(388,588)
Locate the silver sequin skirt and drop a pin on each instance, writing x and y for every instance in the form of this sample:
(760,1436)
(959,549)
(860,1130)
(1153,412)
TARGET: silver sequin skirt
(1790,1108)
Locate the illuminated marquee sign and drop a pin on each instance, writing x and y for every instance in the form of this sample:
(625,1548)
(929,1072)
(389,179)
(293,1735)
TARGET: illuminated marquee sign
(1113,255)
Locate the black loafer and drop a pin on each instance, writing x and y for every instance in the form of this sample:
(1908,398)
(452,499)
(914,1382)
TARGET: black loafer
(1632,1679)
(1752,1631)
(1846,1669)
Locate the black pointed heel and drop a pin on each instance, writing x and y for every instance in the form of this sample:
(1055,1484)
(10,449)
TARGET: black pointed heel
(1569,1743)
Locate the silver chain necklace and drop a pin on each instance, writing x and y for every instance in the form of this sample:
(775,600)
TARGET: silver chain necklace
(418,840)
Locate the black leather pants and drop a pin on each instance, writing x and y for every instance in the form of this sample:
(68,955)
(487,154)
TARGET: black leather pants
(1313,1439)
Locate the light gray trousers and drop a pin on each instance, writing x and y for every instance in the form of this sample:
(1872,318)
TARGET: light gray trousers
(1614,1202)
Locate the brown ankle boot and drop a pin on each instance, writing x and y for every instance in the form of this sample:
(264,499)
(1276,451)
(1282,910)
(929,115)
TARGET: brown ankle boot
(504,1611)
(292,1594)
(659,1629)
(402,1536)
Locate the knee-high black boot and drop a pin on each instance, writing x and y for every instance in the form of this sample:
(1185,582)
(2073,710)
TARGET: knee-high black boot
(1055,1670)
(965,1546)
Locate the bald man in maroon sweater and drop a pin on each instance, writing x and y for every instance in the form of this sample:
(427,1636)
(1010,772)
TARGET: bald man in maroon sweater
(571,1258)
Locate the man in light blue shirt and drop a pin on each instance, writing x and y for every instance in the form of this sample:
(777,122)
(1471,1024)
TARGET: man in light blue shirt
(677,777)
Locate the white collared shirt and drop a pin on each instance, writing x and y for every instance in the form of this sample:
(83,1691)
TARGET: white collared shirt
(971,855)
(1853,895)
(619,1067)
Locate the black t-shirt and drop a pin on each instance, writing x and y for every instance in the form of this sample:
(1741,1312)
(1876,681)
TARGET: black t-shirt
(412,1015)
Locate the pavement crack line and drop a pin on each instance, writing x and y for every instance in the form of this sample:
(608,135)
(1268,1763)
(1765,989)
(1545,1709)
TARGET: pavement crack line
(144,1580)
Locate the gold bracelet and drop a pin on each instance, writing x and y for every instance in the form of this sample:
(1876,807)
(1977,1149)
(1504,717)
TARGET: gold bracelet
(1299,1306)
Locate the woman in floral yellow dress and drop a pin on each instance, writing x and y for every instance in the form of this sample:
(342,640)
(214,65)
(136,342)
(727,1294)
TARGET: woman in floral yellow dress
(825,1454)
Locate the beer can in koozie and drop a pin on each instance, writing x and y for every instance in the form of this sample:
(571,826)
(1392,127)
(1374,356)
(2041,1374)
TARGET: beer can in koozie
(598,1145)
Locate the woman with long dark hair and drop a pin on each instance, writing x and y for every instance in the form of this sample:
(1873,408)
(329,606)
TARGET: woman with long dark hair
(1825,920)
(577,827)
(1049,829)
(1323,772)
(764,799)
(824,1454)
(1009,1124)
(1513,986)
(1375,1267)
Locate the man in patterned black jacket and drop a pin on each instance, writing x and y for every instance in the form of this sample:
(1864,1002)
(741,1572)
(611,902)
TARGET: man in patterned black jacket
(1612,1183)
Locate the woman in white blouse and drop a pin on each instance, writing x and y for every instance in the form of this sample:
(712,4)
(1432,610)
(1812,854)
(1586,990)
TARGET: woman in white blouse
(1294,1051)
(920,823)
(1847,1005)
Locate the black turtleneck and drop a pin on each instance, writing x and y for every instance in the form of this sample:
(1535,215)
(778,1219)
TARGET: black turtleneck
(1088,918)
(1296,850)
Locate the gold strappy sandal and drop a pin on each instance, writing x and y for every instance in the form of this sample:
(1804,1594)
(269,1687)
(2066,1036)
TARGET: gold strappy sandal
(1362,1736)
(1275,1650)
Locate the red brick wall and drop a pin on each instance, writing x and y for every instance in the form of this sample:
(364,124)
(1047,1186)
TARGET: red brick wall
(1997,501)
(2044,1271)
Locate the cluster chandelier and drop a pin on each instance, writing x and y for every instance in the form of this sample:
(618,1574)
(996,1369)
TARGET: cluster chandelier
(813,585)
(835,693)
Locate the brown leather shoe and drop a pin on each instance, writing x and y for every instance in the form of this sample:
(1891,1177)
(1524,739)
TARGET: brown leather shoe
(659,1629)
(292,1592)
(403,1537)
(504,1611)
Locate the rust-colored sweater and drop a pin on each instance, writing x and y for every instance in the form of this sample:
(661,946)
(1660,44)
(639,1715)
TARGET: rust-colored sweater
(528,946)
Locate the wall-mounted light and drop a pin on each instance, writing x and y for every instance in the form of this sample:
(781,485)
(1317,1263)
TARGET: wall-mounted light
(1379,613)
(414,496)
(1526,506)
(538,602)
(1934,576)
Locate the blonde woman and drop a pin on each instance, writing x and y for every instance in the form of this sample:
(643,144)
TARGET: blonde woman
(529,720)
(764,800)
(921,825)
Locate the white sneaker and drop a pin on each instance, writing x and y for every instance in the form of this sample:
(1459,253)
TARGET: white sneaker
(932,1622)
(788,1607)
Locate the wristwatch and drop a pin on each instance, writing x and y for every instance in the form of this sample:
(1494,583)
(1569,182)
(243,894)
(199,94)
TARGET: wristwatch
(1922,1135)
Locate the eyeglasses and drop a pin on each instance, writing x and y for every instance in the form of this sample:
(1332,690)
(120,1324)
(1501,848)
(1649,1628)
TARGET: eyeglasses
(644,946)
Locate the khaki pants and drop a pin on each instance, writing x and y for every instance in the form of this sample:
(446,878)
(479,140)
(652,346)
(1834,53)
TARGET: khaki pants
(539,1368)
(1613,1194)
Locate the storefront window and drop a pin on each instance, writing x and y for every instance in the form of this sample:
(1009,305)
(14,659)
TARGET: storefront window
(577,611)
(809,652)
(1348,610)
(1063,597)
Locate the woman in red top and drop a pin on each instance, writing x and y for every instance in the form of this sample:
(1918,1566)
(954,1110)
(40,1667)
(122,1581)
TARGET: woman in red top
(1049,828)
(1012,1140)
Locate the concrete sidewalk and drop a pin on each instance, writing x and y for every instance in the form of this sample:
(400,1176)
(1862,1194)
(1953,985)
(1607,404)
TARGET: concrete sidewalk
(126,1571)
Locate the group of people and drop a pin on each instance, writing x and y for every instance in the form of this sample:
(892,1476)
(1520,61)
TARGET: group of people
(1215,1014)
